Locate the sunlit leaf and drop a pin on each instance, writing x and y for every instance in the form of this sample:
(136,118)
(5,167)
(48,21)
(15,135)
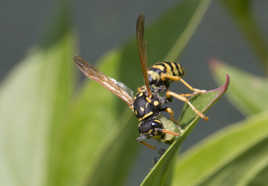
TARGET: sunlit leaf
(32,99)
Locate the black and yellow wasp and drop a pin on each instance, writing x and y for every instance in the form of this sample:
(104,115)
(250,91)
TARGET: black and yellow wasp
(147,104)
(147,109)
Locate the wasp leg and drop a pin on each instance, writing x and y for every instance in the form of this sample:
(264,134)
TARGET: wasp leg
(169,132)
(140,140)
(177,78)
(188,95)
(184,99)
(171,114)
(148,145)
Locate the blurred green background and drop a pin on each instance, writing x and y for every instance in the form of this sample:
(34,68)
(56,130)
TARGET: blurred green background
(104,25)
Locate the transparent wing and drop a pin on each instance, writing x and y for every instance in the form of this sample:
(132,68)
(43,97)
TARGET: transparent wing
(111,84)
(123,86)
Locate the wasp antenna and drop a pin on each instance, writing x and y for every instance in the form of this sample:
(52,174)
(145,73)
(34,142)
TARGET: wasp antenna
(169,132)
(142,50)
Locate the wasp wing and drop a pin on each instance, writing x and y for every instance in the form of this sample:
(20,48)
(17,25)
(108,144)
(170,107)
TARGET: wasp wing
(117,88)
(142,50)
(123,86)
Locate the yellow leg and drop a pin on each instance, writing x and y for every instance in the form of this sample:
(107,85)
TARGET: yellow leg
(184,99)
(147,145)
(177,78)
(171,113)
(170,132)
(188,95)
(141,139)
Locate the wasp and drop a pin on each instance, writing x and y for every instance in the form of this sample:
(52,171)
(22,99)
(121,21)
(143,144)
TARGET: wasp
(146,107)
(147,104)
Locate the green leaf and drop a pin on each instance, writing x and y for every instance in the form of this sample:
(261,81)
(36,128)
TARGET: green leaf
(233,156)
(160,173)
(99,134)
(32,99)
(242,12)
(259,179)
(248,92)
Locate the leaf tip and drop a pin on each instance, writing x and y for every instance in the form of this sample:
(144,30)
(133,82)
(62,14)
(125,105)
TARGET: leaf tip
(222,89)
(215,65)
(226,84)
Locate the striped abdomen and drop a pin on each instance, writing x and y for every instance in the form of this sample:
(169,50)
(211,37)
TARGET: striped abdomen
(168,68)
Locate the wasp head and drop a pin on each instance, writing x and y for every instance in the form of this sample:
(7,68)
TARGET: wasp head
(151,127)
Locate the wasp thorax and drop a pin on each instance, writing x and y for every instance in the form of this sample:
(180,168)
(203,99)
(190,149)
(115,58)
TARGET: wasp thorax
(145,106)
(155,81)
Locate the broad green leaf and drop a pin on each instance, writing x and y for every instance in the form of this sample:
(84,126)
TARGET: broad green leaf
(33,98)
(243,168)
(248,92)
(242,12)
(233,156)
(98,138)
(160,173)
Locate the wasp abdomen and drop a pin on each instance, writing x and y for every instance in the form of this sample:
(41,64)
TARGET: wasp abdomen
(165,67)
